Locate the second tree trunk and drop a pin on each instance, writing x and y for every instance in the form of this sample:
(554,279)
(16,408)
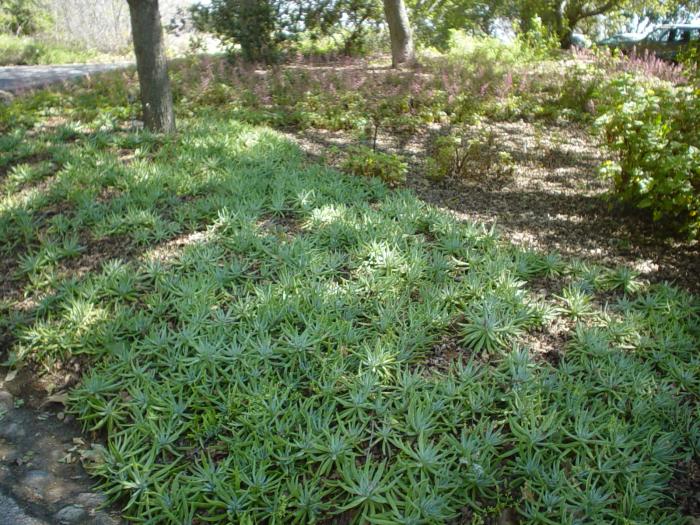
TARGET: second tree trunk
(399,32)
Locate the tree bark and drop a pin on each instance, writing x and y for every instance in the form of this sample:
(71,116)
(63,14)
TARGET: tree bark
(402,51)
(156,96)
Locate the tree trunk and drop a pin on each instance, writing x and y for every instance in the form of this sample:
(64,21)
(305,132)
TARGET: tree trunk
(565,38)
(156,96)
(399,32)
(561,25)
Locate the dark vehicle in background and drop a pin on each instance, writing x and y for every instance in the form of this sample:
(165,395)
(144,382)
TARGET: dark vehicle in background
(666,42)
(621,40)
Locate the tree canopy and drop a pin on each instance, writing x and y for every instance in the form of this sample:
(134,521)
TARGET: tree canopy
(259,27)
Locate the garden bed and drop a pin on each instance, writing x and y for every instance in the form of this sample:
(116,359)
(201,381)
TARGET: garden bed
(263,338)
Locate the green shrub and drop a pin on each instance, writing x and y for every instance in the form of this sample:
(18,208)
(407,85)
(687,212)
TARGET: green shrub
(537,42)
(366,162)
(577,91)
(654,130)
(690,59)
(446,157)
(251,25)
(466,151)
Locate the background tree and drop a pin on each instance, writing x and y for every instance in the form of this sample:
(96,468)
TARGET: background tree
(402,50)
(22,17)
(101,25)
(562,17)
(642,18)
(433,20)
(261,27)
(253,24)
(351,19)
(156,95)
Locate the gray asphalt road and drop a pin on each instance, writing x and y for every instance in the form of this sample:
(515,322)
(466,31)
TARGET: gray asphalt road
(19,78)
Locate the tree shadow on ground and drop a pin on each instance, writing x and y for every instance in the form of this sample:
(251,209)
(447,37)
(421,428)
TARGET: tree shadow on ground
(554,200)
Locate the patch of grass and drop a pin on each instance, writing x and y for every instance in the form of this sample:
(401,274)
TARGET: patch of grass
(258,330)
(33,51)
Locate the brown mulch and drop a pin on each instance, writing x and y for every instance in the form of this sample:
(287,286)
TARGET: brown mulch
(685,487)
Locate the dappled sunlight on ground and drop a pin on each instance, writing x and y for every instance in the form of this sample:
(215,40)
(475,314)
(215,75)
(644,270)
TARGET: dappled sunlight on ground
(552,200)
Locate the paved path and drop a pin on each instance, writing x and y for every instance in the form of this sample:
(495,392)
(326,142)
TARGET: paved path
(12,514)
(42,481)
(18,78)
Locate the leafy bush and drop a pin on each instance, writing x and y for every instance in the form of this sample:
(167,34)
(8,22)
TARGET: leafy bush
(465,151)
(575,97)
(654,130)
(444,159)
(367,162)
(538,41)
(252,25)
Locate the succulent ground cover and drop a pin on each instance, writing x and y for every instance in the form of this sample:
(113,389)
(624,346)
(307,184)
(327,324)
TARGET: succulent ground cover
(264,339)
